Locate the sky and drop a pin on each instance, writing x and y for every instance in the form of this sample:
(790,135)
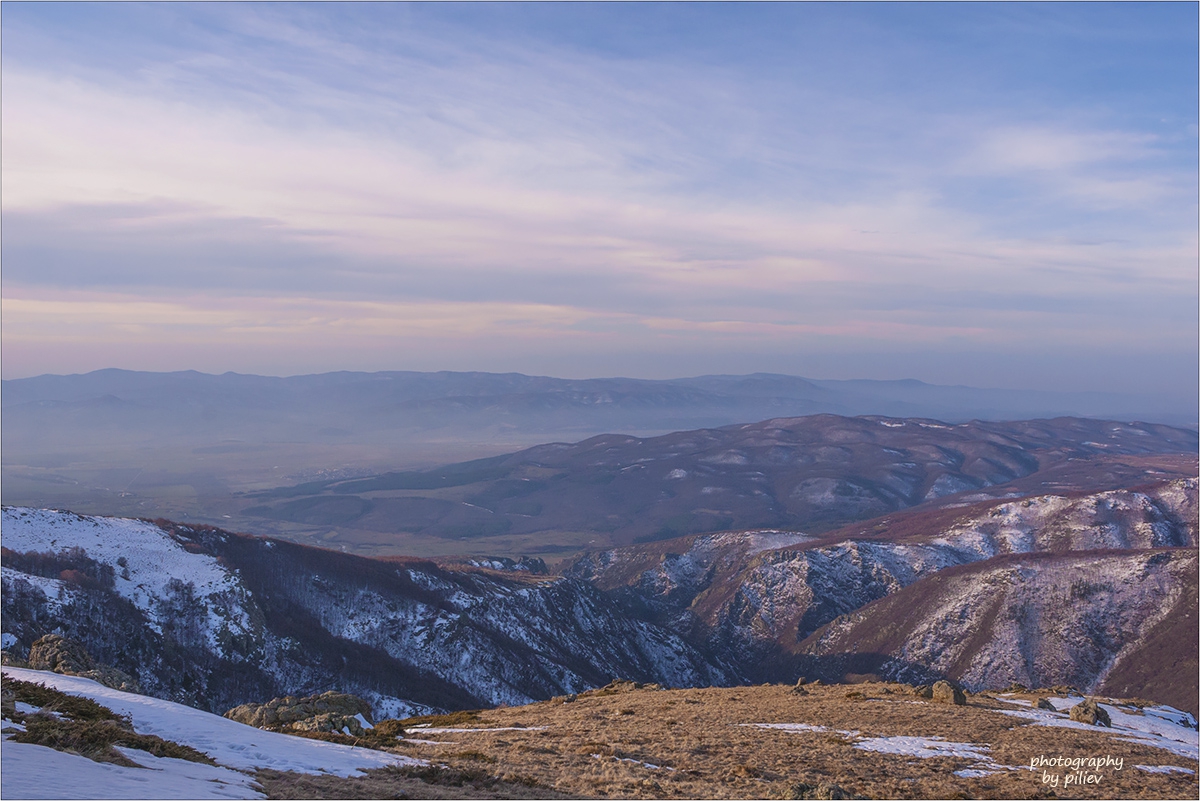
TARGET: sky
(996,195)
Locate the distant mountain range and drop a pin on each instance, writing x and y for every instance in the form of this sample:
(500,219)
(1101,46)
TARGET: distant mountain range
(191,407)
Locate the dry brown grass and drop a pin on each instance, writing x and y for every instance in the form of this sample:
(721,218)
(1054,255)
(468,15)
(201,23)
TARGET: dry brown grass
(602,745)
(432,782)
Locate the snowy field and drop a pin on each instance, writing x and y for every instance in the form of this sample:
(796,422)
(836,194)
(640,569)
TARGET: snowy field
(35,771)
(31,771)
(1163,726)
(1160,726)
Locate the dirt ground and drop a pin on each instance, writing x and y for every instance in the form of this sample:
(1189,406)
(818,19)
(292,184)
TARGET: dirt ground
(652,743)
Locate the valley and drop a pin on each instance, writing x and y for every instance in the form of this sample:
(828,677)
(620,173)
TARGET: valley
(436,464)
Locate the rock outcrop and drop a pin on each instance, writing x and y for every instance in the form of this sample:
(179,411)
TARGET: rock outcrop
(63,655)
(60,655)
(327,712)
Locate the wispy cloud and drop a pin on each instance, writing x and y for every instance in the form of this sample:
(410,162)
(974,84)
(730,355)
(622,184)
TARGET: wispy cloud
(428,179)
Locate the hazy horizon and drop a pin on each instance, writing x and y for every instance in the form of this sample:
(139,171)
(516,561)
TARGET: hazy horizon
(984,195)
(660,378)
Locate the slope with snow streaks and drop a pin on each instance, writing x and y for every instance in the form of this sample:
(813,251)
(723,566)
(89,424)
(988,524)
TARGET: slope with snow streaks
(503,642)
(1163,516)
(842,575)
(755,614)
(406,634)
(1037,620)
(153,570)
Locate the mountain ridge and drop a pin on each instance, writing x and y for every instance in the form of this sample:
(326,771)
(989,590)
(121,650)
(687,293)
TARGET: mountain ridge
(282,618)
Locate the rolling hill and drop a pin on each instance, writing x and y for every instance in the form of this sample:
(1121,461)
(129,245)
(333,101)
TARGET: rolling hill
(810,474)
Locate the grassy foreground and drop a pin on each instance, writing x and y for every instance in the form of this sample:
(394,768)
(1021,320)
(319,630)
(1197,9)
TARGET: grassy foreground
(624,742)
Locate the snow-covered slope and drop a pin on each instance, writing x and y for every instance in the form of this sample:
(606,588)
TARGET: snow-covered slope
(215,619)
(31,771)
(36,771)
(790,591)
(1162,516)
(152,569)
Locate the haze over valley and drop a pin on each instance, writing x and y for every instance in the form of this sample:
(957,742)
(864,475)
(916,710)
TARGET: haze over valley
(275,455)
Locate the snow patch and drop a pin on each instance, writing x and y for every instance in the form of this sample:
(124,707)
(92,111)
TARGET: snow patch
(920,747)
(801,727)
(638,762)
(923,747)
(232,744)
(35,771)
(1161,726)
(446,730)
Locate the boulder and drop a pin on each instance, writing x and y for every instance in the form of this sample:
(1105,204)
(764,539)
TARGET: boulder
(946,693)
(617,686)
(1044,703)
(330,722)
(12,660)
(1091,713)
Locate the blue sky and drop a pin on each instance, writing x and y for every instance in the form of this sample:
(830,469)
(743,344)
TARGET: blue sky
(988,194)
